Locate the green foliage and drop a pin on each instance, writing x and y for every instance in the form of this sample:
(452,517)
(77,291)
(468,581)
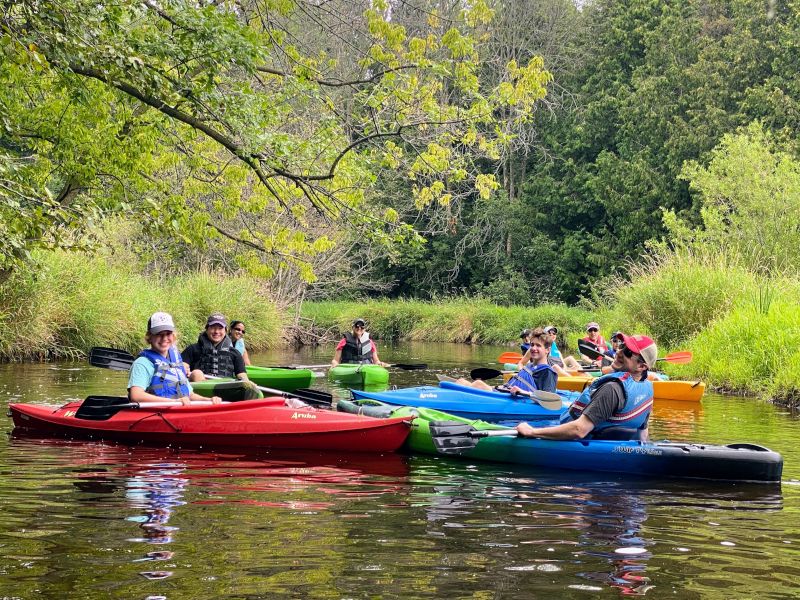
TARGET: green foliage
(73,303)
(678,298)
(225,124)
(456,321)
(750,193)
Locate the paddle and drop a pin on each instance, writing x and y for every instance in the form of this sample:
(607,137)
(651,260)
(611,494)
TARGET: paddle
(678,358)
(509,357)
(484,373)
(547,400)
(452,437)
(102,408)
(120,360)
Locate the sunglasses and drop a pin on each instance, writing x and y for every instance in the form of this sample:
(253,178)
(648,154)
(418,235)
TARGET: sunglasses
(239,330)
(593,329)
(628,353)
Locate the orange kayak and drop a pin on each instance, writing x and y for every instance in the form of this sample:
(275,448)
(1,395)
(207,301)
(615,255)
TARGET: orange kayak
(686,391)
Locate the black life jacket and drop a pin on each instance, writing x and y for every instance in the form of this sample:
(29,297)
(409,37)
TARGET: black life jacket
(357,350)
(215,360)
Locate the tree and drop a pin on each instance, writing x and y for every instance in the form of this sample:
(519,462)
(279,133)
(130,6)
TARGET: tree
(262,122)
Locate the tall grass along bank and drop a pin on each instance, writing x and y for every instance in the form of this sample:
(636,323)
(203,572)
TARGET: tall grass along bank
(73,302)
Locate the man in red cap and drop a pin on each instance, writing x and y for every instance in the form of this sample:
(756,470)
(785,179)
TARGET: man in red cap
(614,406)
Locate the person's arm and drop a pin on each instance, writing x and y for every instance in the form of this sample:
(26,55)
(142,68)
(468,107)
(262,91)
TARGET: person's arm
(524,360)
(238,366)
(337,357)
(188,358)
(246,358)
(375,358)
(574,430)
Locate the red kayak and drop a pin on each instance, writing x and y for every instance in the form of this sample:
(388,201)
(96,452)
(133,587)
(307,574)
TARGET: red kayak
(253,423)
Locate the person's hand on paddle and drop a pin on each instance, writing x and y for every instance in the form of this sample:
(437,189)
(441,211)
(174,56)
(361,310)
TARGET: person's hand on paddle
(525,430)
(216,400)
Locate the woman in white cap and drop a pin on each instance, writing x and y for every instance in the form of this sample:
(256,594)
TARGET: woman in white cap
(158,373)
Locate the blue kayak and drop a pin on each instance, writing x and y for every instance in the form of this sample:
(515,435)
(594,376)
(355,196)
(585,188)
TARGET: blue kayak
(468,402)
(435,432)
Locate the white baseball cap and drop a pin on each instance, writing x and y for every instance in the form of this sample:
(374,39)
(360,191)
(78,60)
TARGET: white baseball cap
(159,322)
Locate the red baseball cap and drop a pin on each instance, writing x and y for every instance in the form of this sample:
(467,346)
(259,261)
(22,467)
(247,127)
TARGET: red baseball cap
(643,346)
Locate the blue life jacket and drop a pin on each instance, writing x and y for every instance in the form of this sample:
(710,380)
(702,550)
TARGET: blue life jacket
(638,403)
(169,379)
(528,378)
(357,350)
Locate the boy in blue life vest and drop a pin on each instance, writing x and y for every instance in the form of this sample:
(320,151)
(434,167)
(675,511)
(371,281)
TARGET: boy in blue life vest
(614,406)
(536,374)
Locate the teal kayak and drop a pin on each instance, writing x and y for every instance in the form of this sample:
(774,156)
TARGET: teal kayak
(284,379)
(359,375)
(435,432)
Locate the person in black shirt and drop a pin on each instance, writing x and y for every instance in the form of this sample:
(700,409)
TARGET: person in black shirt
(214,354)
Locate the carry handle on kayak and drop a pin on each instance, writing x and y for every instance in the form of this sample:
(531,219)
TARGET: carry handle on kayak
(120,360)
(453,437)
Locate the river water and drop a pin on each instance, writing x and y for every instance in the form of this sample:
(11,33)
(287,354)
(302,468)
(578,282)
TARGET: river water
(95,520)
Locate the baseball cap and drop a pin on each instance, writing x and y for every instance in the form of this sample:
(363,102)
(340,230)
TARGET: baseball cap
(592,325)
(525,333)
(360,321)
(216,319)
(160,321)
(643,346)
(551,329)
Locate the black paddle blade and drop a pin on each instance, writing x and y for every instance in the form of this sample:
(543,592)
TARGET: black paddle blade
(110,358)
(314,397)
(101,408)
(589,349)
(484,373)
(452,437)
(411,367)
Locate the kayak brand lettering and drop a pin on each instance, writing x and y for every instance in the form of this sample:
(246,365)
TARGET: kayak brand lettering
(637,450)
(428,395)
(304,416)
(70,413)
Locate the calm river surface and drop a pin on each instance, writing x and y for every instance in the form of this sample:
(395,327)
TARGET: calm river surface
(94,520)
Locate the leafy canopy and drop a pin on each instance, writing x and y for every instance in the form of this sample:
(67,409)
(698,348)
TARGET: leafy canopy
(260,122)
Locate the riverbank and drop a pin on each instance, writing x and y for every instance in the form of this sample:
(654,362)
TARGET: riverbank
(743,330)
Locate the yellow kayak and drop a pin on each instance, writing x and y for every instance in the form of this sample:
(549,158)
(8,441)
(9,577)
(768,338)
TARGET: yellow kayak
(686,391)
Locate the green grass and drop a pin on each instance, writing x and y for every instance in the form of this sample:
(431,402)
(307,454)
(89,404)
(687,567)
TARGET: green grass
(456,321)
(75,302)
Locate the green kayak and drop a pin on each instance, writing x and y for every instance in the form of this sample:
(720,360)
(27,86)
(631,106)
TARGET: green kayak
(419,440)
(286,379)
(228,390)
(359,375)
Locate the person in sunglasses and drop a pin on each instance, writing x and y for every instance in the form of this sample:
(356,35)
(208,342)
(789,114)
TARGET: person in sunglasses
(614,406)
(236,333)
(593,337)
(356,347)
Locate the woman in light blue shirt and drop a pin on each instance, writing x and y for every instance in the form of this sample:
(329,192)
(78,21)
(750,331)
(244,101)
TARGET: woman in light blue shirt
(237,335)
